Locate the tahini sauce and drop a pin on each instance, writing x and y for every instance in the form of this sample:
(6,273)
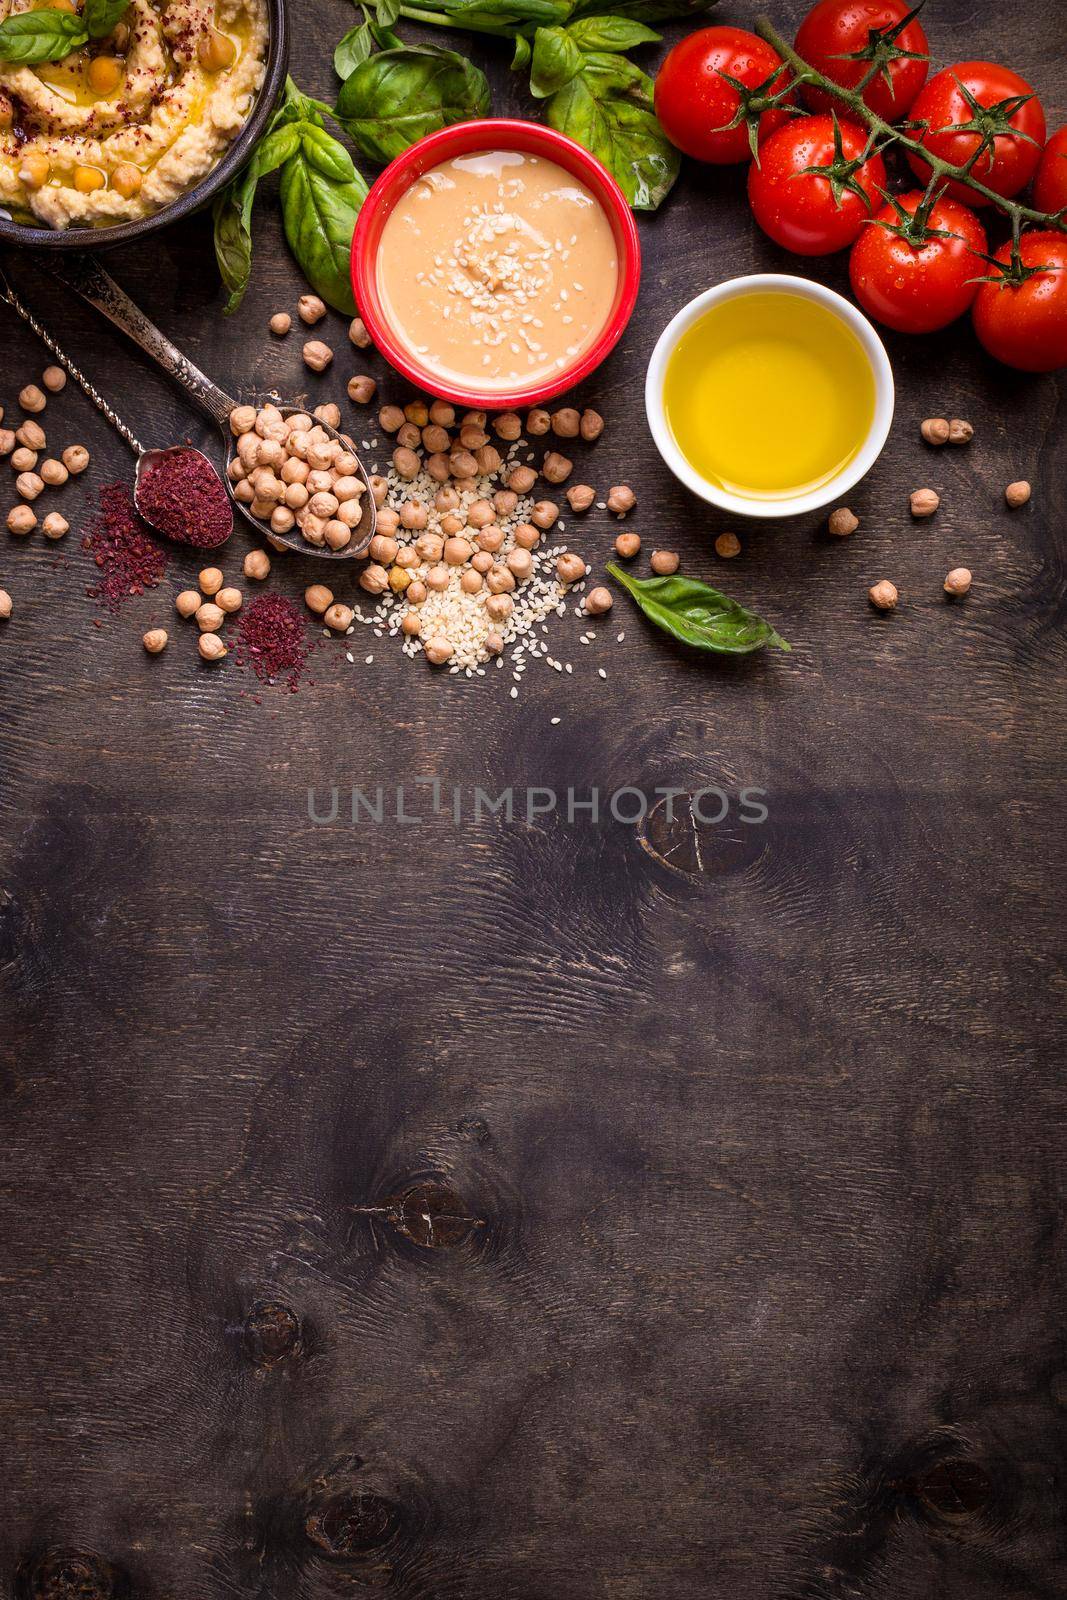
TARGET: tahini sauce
(497,269)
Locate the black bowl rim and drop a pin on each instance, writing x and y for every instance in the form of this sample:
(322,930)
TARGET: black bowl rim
(16,233)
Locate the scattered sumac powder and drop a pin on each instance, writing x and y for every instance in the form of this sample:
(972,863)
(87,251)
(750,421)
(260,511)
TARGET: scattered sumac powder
(184,497)
(274,640)
(128,560)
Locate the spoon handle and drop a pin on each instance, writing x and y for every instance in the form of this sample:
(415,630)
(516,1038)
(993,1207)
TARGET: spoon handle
(87,278)
(8,295)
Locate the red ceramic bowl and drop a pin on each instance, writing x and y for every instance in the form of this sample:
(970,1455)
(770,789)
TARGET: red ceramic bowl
(462,140)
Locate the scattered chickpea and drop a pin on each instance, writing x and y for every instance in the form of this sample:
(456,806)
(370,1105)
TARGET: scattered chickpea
(508,427)
(544,514)
(329,413)
(75,459)
(6,605)
(210,617)
(727,545)
(54,379)
(537,423)
(526,536)
(32,399)
(21,521)
(494,643)
(521,480)
(936,431)
(960,432)
(406,463)
(437,578)
(23,460)
(362,389)
(188,603)
(32,435)
(439,649)
(843,522)
(664,562)
(883,595)
(257,565)
(1017,494)
(29,485)
(566,423)
(317,355)
(242,420)
(338,618)
(499,607)
(416,592)
(627,545)
(391,419)
(229,600)
(211,647)
(520,563)
(280,324)
(580,497)
(374,579)
(383,549)
(570,567)
(7,441)
(958,581)
(597,601)
(470,581)
(210,581)
(54,473)
(924,502)
(155,640)
(318,598)
(55,526)
(411,624)
(591,426)
(457,551)
(311,309)
(556,468)
(621,499)
(418,412)
(463,464)
(358,334)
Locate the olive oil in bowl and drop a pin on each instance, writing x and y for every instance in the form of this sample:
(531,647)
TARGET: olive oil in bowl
(769,396)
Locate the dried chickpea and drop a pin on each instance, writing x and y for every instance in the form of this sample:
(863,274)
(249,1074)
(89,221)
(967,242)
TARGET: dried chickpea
(519,562)
(566,423)
(229,600)
(55,526)
(311,309)
(23,460)
(544,514)
(383,549)
(6,605)
(883,595)
(210,580)
(358,334)
(556,468)
(21,521)
(504,502)
(317,355)
(437,578)
(490,539)
(442,413)
(7,441)
(242,420)
(538,422)
(470,581)
(362,389)
(390,419)
(257,565)
(211,647)
(959,431)
(54,379)
(438,650)
(411,624)
(664,562)
(494,643)
(337,534)
(406,463)
(842,522)
(521,479)
(570,567)
(75,459)
(330,414)
(339,618)
(29,485)
(924,502)
(597,601)
(591,426)
(188,603)
(727,545)
(627,545)
(32,399)
(210,617)
(418,412)
(463,464)
(580,497)
(374,579)
(935,430)
(621,499)
(508,427)
(318,598)
(489,459)
(32,435)
(1017,494)
(280,324)
(457,551)
(526,536)
(409,436)
(499,607)
(472,438)
(416,592)
(958,581)
(155,640)
(54,473)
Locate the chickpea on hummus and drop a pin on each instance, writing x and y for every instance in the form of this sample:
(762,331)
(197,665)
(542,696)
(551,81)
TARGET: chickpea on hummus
(125,126)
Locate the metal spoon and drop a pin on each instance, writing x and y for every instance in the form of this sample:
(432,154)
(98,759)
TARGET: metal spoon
(87,278)
(146,459)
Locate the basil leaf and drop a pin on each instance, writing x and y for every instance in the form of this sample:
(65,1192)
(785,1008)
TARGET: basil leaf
(388,12)
(101,16)
(523,54)
(232,213)
(41,36)
(274,149)
(356,46)
(327,154)
(698,615)
(399,96)
(319,215)
(556,59)
(608,75)
(624,136)
(611,33)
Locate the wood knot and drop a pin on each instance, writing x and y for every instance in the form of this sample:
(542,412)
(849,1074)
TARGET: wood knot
(352,1524)
(430,1214)
(953,1490)
(271,1333)
(707,834)
(474,1128)
(70,1575)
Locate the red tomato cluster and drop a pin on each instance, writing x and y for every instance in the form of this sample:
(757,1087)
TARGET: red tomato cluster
(817,182)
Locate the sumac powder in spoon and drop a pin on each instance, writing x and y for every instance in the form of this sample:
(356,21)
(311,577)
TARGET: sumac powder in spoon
(181,494)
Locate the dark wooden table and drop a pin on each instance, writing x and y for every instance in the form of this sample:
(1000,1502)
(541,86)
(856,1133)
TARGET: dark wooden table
(741,1146)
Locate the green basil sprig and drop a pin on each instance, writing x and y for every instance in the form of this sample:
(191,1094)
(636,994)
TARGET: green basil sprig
(34,36)
(616,122)
(102,16)
(698,615)
(611,33)
(395,98)
(321,196)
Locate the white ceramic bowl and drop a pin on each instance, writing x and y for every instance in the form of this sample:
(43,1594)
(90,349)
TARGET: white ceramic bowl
(795,505)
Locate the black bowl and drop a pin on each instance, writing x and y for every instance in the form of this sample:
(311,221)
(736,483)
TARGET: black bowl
(15,233)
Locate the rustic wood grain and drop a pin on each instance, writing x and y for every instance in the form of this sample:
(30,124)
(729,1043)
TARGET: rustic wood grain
(530,1211)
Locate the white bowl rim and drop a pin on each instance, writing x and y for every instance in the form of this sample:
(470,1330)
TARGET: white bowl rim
(774,283)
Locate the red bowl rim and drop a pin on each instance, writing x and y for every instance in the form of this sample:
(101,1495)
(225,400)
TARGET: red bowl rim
(460,139)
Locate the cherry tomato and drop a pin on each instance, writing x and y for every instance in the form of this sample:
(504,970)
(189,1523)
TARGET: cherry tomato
(1026,326)
(802,213)
(694,102)
(1050,185)
(836,28)
(917,288)
(943,104)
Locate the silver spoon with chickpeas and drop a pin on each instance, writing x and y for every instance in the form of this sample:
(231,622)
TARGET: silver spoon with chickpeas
(294,476)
